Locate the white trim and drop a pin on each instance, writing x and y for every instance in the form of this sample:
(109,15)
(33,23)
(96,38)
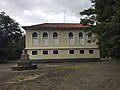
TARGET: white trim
(69,51)
(83,38)
(34,50)
(81,49)
(56,50)
(63,48)
(89,53)
(58,38)
(88,38)
(69,38)
(42,38)
(45,50)
(32,38)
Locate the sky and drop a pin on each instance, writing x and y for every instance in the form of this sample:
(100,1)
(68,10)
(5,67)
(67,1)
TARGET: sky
(31,12)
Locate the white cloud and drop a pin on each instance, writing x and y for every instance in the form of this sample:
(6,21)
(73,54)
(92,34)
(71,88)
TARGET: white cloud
(28,12)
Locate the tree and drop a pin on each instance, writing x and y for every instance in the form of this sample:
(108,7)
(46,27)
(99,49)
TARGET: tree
(10,33)
(106,15)
(90,16)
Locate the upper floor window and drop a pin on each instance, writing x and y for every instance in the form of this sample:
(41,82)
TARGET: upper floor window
(90,38)
(45,38)
(81,38)
(45,35)
(90,35)
(34,34)
(55,38)
(34,38)
(71,38)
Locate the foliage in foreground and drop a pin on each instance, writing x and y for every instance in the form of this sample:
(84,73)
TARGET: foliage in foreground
(105,15)
(11,38)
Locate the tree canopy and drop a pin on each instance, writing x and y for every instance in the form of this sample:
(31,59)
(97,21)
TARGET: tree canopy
(105,15)
(10,37)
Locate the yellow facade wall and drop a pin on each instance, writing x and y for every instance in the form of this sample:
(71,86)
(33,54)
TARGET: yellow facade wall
(64,54)
(63,39)
(63,46)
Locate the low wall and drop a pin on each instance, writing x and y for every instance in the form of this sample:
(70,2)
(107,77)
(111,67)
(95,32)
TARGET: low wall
(65,60)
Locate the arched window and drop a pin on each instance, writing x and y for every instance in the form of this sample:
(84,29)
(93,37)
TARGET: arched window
(81,38)
(34,38)
(71,38)
(45,35)
(90,38)
(90,35)
(45,38)
(55,38)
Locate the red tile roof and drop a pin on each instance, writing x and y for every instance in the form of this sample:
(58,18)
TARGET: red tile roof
(57,25)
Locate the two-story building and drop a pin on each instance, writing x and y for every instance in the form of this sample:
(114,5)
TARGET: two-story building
(50,42)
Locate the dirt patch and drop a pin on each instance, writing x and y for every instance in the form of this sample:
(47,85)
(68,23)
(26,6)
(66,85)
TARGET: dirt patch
(103,75)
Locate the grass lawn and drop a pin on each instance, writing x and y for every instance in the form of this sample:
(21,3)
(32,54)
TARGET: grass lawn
(104,75)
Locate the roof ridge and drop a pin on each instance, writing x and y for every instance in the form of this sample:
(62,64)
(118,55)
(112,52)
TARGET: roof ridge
(64,25)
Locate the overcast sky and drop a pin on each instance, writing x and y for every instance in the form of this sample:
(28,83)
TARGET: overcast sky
(30,12)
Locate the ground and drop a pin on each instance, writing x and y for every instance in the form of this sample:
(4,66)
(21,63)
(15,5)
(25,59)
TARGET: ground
(103,75)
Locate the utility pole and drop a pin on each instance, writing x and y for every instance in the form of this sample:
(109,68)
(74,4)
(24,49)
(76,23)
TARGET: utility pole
(64,16)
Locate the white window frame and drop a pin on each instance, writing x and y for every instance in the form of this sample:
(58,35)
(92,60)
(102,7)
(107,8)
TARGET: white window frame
(82,38)
(89,51)
(34,54)
(53,38)
(55,50)
(92,43)
(43,39)
(69,38)
(80,53)
(45,50)
(69,51)
(32,43)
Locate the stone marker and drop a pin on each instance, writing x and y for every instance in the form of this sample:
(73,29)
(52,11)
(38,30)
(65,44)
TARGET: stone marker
(24,63)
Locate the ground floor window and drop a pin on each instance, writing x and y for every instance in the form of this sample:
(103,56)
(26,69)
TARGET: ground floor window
(55,51)
(45,52)
(71,51)
(90,51)
(34,52)
(81,51)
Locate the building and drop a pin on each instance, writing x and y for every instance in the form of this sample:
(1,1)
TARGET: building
(50,42)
